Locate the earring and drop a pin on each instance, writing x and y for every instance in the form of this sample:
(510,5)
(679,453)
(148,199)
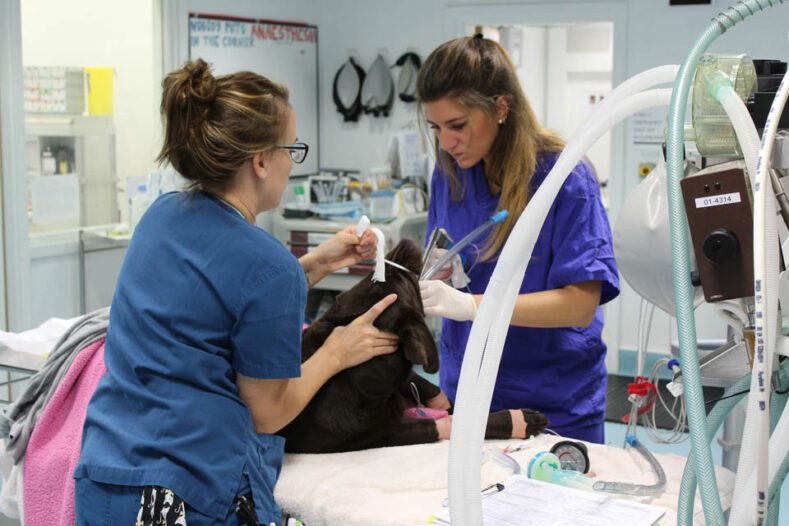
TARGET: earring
(501,121)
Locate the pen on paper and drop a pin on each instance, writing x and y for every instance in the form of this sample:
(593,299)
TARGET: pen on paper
(486,492)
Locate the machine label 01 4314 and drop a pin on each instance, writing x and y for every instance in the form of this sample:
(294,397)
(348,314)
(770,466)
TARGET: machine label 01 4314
(718,200)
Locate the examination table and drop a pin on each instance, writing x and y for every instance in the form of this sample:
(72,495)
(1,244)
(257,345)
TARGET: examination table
(398,485)
(405,485)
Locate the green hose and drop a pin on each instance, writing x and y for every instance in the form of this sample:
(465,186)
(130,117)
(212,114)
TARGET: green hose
(777,405)
(683,291)
(687,490)
(774,493)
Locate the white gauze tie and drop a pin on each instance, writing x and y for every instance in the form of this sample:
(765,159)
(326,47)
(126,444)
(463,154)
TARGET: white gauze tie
(380,263)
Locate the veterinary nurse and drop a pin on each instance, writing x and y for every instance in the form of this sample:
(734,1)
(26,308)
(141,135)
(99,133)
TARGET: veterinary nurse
(493,155)
(203,349)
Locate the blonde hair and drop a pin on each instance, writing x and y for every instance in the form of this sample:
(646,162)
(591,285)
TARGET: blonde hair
(214,124)
(474,72)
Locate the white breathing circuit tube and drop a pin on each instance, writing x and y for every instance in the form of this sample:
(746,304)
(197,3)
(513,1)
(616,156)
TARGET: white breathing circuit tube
(755,440)
(760,453)
(484,347)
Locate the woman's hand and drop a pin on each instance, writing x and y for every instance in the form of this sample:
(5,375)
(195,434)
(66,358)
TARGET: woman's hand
(342,250)
(360,340)
(439,299)
(345,248)
(444,427)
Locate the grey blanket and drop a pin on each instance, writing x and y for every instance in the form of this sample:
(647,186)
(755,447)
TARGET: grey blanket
(19,418)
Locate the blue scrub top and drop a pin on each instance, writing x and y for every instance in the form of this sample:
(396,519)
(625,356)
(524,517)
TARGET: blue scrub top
(202,295)
(560,372)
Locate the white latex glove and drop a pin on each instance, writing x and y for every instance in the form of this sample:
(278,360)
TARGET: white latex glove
(439,299)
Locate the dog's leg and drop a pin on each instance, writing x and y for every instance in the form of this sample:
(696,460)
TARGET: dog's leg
(424,388)
(501,425)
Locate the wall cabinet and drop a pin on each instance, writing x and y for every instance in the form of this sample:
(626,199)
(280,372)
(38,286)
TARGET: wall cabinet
(71,176)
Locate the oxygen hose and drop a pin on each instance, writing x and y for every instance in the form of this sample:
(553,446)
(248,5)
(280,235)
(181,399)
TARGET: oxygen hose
(683,290)
(484,347)
(641,490)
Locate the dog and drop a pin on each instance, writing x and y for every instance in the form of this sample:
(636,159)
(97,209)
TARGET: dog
(362,407)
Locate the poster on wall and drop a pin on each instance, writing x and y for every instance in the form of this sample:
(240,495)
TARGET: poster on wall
(647,137)
(284,52)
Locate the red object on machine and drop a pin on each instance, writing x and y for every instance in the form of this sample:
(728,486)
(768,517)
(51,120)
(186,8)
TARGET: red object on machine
(641,387)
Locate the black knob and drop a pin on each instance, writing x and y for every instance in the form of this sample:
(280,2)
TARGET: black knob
(720,246)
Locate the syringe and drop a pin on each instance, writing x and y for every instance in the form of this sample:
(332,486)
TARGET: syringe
(495,219)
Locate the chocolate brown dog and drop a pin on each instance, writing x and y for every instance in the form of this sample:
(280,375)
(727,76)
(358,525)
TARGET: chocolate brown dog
(362,407)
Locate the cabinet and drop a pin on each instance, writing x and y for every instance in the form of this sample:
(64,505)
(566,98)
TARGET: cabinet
(71,176)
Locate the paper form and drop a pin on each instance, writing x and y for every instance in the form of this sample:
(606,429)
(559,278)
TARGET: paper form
(526,502)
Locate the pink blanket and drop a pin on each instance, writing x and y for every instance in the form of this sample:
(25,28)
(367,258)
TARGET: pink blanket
(54,447)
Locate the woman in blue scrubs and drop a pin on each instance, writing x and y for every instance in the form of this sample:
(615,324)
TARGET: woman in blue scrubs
(493,155)
(203,350)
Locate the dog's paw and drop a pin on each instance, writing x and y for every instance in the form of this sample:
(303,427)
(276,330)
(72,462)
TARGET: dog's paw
(536,422)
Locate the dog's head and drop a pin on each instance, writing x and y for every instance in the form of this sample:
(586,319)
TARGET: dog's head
(405,317)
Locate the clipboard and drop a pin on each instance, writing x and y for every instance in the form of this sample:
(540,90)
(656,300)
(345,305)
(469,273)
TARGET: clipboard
(525,501)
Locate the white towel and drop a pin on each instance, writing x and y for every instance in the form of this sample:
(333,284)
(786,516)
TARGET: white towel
(403,486)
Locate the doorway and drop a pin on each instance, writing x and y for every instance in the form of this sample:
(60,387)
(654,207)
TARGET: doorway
(565,69)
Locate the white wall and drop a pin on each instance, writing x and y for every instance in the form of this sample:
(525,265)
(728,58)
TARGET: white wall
(122,35)
(363,30)
(533,67)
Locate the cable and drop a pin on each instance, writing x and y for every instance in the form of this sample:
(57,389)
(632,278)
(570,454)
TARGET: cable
(715,400)
(676,411)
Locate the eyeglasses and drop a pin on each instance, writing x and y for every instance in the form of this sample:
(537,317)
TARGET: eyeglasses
(298,151)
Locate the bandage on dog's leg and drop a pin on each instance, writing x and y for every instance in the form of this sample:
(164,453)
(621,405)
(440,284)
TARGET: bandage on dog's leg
(500,424)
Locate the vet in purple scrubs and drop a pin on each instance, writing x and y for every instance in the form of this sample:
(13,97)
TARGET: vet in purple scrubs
(492,155)
(558,371)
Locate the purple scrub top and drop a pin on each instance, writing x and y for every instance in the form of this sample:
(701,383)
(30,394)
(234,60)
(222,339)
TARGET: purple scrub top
(560,372)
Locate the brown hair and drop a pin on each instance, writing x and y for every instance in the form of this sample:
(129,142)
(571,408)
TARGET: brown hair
(474,72)
(214,124)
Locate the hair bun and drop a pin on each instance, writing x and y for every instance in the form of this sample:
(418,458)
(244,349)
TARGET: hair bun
(201,85)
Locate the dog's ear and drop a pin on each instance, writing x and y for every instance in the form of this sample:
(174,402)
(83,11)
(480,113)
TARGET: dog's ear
(408,254)
(419,346)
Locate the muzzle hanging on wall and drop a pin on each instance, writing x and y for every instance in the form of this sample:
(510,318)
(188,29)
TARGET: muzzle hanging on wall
(347,90)
(406,82)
